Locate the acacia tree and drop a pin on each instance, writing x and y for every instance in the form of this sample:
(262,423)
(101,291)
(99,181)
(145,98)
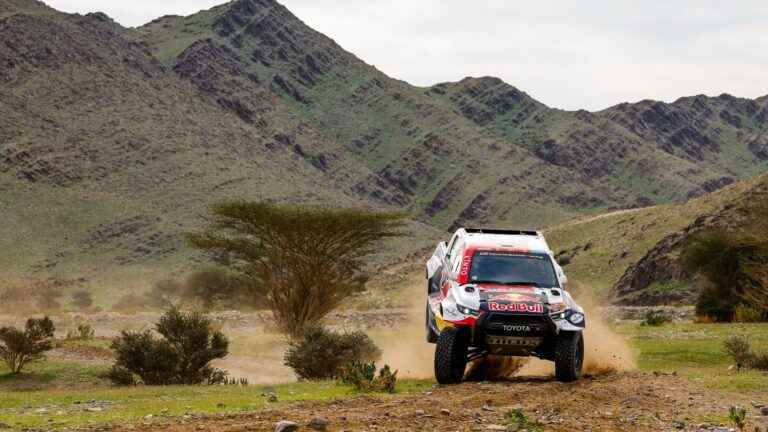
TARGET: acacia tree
(18,348)
(302,261)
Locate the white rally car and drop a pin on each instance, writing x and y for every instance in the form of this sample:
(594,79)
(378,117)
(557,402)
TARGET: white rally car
(500,292)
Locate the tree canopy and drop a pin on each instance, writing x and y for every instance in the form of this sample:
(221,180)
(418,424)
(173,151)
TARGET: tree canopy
(304,260)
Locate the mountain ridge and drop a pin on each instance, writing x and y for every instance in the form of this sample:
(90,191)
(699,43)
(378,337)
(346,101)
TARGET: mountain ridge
(245,100)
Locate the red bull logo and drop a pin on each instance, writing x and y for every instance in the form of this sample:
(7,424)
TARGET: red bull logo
(533,308)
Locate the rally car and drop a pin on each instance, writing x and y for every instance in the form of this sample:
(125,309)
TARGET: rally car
(500,292)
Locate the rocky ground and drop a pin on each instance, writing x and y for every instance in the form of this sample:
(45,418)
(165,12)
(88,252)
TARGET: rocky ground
(614,402)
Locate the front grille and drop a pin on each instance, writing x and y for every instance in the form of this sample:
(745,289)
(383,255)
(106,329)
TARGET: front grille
(521,325)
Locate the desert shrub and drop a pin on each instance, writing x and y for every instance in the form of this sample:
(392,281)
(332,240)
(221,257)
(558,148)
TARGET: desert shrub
(735,265)
(747,314)
(739,348)
(362,376)
(82,299)
(655,318)
(83,331)
(302,261)
(182,356)
(18,348)
(738,416)
(322,354)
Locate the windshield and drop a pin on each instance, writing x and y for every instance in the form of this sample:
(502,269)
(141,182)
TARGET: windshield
(513,269)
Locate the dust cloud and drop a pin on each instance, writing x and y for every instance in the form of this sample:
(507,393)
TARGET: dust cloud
(604,350)
(407,351)
(258,356)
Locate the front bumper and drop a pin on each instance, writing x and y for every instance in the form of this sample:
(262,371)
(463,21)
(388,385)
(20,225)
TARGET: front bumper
(512,334)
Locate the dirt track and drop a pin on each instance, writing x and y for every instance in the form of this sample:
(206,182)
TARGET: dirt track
(621,402)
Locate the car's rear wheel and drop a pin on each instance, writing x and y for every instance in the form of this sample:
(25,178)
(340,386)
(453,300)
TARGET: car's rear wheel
(569,356)
(451,356)
(431,334)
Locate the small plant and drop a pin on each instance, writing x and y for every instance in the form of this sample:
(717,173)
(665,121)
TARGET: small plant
(748,314)
(738,416)
(182,356)
(18,348)
(322,354)
(655,318)
(362,376)
(516,420)
(84,331)
(238,382)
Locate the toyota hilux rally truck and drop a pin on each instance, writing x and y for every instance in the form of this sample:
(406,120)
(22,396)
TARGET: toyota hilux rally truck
(500,292)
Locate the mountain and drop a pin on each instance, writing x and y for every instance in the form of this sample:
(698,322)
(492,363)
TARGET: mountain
(631,257)
(473,151)
(113,140)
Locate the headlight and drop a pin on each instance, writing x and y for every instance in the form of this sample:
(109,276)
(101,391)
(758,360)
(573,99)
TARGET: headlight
(576,318)
(467,311)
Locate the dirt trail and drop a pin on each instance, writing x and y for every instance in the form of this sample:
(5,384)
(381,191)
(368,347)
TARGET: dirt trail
(622,402)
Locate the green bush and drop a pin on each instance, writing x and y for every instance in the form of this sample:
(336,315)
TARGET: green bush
(182,356)
(322,354)
(735,265)
(83,331)
(362,376)
(18,348)
(655,318)
(739,348)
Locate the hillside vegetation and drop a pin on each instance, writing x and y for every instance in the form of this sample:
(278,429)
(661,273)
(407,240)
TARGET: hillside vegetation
(113,141)
(632,257)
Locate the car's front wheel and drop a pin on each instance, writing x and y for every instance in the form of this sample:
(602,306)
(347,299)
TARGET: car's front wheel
(451,356)
(569,356)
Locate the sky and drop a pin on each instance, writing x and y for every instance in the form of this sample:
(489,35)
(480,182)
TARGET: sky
(588,54)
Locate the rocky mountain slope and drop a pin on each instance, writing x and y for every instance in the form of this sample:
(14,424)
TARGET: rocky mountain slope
(113,140)
(631,257)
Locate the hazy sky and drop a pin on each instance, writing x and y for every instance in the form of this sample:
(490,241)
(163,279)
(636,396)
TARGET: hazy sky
(567,54)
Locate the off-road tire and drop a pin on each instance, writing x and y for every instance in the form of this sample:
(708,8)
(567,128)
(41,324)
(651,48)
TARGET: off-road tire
(569,356)
(431,335)
(451,356)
